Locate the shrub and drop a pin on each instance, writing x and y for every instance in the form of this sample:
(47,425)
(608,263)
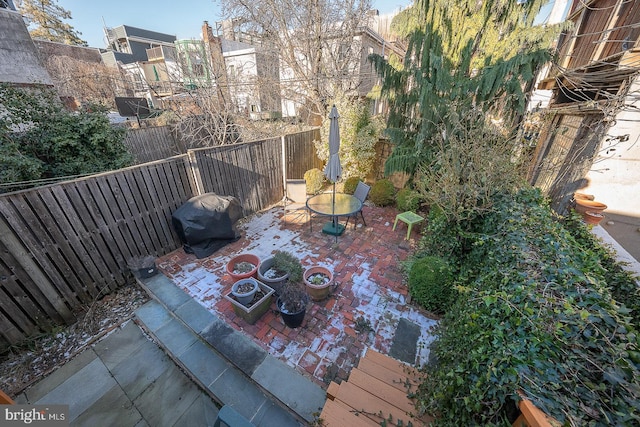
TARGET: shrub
(314,179)
(39,139)
(407,200)
(382,193)
(350,184)
(359,133)
(430,283)
(474,161)
(534,314)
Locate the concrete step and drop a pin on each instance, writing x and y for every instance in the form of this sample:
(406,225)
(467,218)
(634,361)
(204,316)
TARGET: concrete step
(236,371)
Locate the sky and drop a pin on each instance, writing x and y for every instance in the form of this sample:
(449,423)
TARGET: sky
(182,19)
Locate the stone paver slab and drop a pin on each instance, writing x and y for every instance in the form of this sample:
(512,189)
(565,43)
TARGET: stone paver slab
(60,375)
(148,364)
(166,399)
(165,291)
(405,341)
(82,389)
(272,415)
(153,315)
(203,363)
(294,390)
(113,409)
(202,412)
(120,344)
(234,389)
(195,315)
(175,336)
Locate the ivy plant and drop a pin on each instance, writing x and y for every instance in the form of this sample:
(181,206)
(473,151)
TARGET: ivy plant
(40,139)
(535,313)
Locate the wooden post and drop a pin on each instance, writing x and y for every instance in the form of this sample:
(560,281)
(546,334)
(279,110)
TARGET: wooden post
(195,171)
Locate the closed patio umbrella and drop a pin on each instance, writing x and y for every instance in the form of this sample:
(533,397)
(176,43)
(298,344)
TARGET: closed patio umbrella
(333,169)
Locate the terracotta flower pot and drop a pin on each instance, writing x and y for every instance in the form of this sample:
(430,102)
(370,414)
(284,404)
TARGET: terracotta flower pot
(243,260)
(319,288)
(583,206)
(593,218)
(583,196)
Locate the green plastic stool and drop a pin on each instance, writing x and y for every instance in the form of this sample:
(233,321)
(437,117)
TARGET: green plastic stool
(409,218)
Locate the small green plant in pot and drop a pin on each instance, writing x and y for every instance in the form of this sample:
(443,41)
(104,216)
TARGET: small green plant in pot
(277,269)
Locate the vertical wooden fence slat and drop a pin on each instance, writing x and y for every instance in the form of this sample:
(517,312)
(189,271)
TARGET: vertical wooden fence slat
(21,260)
(81,221)
(25,223)
(26,293)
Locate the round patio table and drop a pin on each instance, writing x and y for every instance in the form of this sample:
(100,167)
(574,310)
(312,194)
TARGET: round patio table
(323,204)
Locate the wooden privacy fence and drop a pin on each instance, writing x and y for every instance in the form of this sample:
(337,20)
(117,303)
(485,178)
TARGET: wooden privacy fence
(153,143)
(565,154)
(64,245)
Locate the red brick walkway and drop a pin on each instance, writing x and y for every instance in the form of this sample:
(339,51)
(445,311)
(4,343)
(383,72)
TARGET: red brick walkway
(362,311)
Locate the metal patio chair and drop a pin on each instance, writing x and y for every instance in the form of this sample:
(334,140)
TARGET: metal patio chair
(361,193)
(295,200)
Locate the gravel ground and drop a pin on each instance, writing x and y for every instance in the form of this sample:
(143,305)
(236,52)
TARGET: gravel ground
(39,356)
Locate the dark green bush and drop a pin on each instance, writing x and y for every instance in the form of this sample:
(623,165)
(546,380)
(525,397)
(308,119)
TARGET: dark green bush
(315,180)
(430,283)
(382,193)
(350,184)
(53,142)
(533,313)
(408,200)
(443,238)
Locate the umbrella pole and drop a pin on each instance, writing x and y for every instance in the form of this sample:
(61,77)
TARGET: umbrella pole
(333,211)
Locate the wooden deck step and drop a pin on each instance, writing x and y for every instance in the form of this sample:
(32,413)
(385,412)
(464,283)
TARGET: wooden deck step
(393,364)
(399,381)
(332,390)
(337,415)
(386,392)
(376,391)
(369,404)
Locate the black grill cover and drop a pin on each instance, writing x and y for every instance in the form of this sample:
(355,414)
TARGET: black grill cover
(206,223)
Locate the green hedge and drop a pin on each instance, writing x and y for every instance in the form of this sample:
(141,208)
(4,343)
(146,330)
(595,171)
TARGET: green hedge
(534,314)
(431,283)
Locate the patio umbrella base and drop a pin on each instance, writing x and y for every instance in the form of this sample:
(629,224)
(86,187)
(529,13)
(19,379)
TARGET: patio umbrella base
(334,230)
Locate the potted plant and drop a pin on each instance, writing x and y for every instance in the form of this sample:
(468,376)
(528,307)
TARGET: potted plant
(292,303)
(258,306)
(277,269)
(592,218)
(318,281)
(243,266)
(143,267)
(583,205)
(244,290)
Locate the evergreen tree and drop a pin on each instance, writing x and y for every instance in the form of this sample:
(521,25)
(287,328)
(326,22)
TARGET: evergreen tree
(462,54)
(46,22)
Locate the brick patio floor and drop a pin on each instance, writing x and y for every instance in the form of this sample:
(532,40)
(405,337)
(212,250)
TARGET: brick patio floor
(362,311)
